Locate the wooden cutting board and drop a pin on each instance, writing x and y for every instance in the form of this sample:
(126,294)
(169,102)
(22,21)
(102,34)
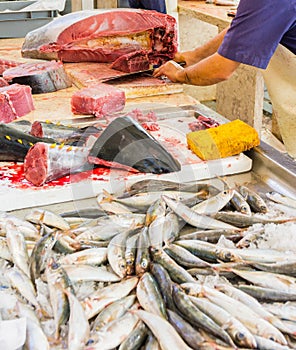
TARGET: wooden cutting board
(84,74)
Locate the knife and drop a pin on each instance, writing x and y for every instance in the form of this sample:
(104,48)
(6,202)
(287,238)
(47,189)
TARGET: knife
(148,72)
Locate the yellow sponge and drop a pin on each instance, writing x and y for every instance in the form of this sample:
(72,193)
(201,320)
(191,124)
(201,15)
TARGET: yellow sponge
(223,141)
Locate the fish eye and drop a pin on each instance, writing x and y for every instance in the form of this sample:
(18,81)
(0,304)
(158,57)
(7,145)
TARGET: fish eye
(240,336)
(144,264)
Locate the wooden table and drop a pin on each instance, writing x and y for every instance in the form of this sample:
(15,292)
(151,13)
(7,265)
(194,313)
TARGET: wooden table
(56,106)
(242,95)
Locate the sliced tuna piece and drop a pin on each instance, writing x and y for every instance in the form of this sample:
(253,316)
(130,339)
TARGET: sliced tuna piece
(15,101)
(42,77)
(6,64)
(132,62)
(98,99)
(103,36)
(46,162)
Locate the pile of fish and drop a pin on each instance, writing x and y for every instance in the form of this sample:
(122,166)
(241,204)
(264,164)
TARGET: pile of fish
(162,266)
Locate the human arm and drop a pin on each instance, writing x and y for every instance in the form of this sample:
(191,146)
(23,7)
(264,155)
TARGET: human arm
(201,52)
(208,71)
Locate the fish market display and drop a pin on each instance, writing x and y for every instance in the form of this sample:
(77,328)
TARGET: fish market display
(104,36)
(124,141)
(98,99)
(41,77)
(129,281)
(15,101)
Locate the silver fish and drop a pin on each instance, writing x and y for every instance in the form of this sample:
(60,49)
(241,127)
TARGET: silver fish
(193,218)
(165,333)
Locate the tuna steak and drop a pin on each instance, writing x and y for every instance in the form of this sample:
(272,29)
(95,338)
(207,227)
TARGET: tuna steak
(41,77)
(98,99)
(45,162)
(103,36)
(15,101)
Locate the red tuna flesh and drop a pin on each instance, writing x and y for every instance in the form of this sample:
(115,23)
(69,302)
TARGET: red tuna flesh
(103,36)
(46,162)
(98,99)
(15,101)
(43,77)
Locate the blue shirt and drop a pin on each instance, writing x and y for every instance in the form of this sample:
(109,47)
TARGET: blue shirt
(257,29)
(157,5)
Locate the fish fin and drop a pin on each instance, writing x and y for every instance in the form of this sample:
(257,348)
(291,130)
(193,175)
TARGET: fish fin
(107,197)
(222,179)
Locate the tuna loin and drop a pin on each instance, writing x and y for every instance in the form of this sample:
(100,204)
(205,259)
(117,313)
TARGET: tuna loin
(103,36)
(42,77)
(98,99)
(45,162)
(15,101)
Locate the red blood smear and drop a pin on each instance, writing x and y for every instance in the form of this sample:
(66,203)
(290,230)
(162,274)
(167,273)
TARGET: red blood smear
(13,176)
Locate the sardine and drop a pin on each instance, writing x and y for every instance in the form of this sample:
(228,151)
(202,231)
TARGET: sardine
(177,273)
(149,296)
(253,198)
(97,301)
(136,338)
(193,218)
(238,332)
(196,317)
(79,329)
(80,272)
(191,336)
(165,333)
(113,311)
(91,256)
(214,204)
(281,199)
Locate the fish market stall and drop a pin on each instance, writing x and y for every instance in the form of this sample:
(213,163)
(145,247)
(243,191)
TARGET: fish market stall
(121,232)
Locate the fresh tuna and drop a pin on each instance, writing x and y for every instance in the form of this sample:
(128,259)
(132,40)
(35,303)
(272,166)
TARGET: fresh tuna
(14,144)
(126,142)
(46,162)
(42,77)
(63,133)
(104,36)
(98,99)
(15,101)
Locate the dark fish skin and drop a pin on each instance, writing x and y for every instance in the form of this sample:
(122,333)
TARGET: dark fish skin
(14,144)
(187,332)
(42,77)
(68,135)
(126,142)
(164,283)
(196,317)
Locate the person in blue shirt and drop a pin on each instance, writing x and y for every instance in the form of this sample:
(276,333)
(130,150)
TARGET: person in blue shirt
(157,5)
(262,35)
